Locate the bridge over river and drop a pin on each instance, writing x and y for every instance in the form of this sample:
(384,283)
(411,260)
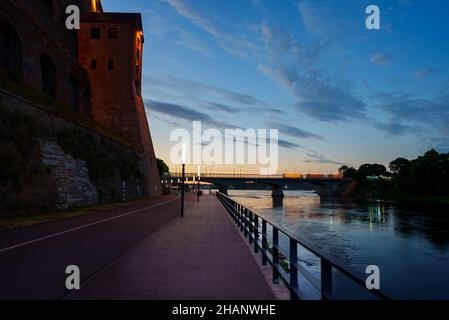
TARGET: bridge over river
(324,186)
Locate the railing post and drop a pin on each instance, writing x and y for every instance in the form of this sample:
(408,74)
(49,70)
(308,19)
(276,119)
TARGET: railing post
(293,269)
(245,222)
(256,233)
(275,255)
(326,279)
(236,216)
(264,243)
(250,226)
(241,221)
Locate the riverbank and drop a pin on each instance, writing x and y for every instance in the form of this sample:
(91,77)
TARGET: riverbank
(385,191)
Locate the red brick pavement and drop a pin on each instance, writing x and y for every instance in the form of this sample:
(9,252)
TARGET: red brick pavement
(199,257)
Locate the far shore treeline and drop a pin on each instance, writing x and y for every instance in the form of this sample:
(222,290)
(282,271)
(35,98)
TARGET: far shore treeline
(425,179)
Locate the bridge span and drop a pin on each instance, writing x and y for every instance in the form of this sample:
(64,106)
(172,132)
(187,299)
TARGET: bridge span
(325,186)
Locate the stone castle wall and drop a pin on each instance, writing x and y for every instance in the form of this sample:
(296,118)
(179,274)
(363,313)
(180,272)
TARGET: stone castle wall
(70,175)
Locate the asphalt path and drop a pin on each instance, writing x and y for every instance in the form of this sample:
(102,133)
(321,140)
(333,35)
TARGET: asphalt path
(33,259)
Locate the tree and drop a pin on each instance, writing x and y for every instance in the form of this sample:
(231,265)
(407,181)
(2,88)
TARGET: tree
(347,172)
(397,165)
(162,167)
(368,169)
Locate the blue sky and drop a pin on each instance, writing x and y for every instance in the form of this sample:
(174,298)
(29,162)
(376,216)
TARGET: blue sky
(337,92)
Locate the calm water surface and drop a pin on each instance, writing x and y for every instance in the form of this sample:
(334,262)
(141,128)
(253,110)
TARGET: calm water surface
(409,244)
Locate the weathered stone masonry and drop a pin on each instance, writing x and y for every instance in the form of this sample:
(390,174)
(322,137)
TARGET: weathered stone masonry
(71,176)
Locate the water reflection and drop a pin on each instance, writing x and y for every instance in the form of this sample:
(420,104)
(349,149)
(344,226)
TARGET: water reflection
(410,244)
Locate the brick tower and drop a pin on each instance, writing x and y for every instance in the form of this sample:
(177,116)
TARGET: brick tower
(110,49)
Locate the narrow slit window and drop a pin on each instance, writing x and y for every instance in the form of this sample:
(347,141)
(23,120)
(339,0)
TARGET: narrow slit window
(110,64)
(93,64)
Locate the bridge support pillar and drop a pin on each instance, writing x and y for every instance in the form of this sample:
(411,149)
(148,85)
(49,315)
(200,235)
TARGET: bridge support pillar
(329,190)
(277,196)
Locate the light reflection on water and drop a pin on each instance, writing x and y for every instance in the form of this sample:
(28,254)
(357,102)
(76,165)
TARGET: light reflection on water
(410,245)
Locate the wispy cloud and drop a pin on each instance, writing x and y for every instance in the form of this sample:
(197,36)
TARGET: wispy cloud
(177,112)
(319,97)
(424,72)
(315,157)
(239,44)
(380,59)
(415,113)
(201,94)
(293,131)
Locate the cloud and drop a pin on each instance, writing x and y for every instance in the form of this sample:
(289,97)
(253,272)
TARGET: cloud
(324,18)
(424,72)
(221,107)
(380,59)
(394,128)
(417,112)
(288,145)
(319,97)
(163,28)
(178,112)
(238,44)
(189,41)
(293,131)
(315,157)
(204,95)
(193,88)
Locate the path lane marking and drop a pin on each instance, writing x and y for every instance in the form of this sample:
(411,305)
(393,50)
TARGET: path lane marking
(84,226)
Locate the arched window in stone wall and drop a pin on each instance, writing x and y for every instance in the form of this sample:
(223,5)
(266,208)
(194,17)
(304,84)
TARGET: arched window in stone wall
(74,93)
(10,49)
(48,72)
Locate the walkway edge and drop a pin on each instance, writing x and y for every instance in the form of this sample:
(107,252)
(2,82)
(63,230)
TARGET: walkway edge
(280,291)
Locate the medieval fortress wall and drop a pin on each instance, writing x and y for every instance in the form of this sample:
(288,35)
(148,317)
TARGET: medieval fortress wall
(82,83)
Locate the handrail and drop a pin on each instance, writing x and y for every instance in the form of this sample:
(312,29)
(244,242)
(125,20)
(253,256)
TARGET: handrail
(248,221)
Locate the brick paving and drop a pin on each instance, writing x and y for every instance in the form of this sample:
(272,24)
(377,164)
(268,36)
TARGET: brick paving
(201,256)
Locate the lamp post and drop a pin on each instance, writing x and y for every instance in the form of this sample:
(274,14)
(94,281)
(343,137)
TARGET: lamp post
(183,178)
(199,178)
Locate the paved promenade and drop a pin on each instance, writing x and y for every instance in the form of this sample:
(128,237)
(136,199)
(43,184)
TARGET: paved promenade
(201,256)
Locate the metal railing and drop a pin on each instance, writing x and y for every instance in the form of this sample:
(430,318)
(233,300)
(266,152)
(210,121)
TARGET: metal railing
(254,227)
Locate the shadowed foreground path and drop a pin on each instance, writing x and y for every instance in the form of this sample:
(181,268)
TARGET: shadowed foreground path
(201,256)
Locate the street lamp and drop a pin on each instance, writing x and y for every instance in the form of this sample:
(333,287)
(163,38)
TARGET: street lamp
(199,178)
(183,177)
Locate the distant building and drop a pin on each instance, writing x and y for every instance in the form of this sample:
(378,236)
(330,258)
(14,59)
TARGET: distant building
(96,70)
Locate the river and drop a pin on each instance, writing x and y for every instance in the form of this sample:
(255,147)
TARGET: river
(409,244)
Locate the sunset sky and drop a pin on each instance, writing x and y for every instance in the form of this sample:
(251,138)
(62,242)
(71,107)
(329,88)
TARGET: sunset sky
(337,92)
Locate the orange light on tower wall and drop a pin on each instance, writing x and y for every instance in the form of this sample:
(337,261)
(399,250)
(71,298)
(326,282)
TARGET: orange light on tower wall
(95,6)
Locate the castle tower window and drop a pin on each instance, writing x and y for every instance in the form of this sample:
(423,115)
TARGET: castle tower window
(93,64)
(74,93)
(112,33)
(111,64)
(48,73)
(95,33)
(10,49)
(138,55)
